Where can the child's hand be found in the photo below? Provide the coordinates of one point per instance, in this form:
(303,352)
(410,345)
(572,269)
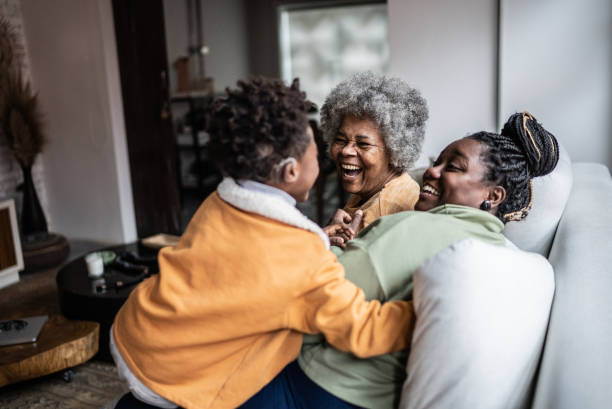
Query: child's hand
(343,228)
(337,235)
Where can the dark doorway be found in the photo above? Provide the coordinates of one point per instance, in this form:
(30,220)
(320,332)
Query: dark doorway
(141,49)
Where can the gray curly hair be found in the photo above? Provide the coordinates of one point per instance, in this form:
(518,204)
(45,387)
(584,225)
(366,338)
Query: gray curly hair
(398,110)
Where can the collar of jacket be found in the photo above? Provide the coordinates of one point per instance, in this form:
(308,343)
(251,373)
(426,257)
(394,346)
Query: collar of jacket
(270,206)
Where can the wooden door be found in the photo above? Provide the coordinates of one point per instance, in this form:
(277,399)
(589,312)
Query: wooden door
(141,48)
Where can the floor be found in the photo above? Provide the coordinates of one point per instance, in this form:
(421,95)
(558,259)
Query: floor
(94,384)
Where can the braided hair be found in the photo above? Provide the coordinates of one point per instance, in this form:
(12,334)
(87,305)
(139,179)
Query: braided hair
(257,126)
(523,150)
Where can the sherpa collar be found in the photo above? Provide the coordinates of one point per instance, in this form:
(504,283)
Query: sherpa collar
(268,206)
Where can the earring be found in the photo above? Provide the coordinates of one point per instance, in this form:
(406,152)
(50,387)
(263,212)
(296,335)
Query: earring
(486,205)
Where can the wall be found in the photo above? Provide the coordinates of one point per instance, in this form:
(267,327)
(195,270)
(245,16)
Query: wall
(447,50)
(555,60)
(224,32)
(74,67)
(557,63)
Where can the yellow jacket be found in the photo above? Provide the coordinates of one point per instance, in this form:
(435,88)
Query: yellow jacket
(226,312)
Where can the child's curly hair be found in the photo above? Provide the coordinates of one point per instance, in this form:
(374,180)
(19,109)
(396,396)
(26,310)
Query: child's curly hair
(256,126)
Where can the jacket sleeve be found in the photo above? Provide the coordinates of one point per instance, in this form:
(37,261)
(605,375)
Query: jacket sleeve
(336,307)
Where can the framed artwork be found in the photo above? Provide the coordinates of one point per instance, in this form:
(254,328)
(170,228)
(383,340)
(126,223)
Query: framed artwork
(11,257)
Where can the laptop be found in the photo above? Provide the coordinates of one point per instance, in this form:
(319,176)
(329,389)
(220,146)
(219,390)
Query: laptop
(21,331)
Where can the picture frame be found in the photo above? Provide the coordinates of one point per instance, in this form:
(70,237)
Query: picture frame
(11,256)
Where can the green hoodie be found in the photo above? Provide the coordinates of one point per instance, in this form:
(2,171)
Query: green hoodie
(382,260)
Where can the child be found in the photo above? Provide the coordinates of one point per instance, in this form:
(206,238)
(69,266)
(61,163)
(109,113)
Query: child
(250,274)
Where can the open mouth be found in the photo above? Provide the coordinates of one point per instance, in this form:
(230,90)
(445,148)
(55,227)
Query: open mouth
(429,191)
(350,171)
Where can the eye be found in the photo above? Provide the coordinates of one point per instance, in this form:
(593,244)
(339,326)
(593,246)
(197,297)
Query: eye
(338,140)
(452,167)
(364,145)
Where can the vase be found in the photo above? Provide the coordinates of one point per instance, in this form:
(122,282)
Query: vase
(32,217)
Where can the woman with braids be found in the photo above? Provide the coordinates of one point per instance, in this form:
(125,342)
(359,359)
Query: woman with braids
(477,184)
(250,274)
(375,127)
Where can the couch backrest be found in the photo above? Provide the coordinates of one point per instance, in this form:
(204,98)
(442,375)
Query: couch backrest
(550,193)
(576,368)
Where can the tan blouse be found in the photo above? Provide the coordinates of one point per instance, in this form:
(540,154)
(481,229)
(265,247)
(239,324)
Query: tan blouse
(398,195)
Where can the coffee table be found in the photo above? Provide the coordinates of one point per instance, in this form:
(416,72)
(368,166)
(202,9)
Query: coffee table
(81,300)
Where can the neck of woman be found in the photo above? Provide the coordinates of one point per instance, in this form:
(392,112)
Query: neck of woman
(365,196)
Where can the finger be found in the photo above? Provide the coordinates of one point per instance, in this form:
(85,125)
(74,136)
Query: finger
(356,222)
(336,241)
(346,218)
(338,217)
(332,229)
(345,237)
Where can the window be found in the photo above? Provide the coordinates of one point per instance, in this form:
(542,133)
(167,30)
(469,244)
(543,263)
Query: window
(323,46)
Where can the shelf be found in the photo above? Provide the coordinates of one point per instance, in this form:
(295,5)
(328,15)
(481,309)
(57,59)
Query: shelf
(187,95)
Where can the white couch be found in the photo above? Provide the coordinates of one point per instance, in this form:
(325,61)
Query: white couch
(576,366)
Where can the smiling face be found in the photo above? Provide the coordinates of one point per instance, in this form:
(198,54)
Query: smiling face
(457,177)
(361,157)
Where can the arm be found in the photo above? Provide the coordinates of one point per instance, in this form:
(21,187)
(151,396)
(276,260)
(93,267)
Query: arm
(334,306)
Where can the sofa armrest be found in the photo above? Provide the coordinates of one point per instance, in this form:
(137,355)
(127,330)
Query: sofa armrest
(576,365)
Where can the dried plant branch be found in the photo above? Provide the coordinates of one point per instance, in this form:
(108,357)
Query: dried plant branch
(9,56)
(21,120)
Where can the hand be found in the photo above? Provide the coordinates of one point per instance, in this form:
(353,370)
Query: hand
(343,227)
(340,217)
(338,236)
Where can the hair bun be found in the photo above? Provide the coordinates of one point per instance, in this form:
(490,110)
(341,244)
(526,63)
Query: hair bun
(540,146)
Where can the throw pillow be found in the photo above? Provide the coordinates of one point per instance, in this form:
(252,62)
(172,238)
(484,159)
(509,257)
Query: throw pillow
(482,313)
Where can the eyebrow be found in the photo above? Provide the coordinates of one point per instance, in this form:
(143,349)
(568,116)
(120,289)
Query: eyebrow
(461,154)
(358,137)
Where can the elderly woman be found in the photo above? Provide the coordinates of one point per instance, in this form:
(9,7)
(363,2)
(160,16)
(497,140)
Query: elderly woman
(476,185)
(375,127)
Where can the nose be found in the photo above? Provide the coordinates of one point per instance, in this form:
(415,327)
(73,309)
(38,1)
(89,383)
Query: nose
(349,149)
(433,172)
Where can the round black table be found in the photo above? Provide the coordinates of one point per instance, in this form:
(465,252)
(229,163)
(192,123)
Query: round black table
(83,298)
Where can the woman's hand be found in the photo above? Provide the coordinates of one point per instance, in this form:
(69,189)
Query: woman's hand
(343,227)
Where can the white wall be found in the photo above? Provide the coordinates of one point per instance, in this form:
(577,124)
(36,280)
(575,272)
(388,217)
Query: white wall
(448,50)
(74,68)
(555,61)
(224,32)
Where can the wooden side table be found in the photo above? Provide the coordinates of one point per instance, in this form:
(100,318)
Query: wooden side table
(62,344)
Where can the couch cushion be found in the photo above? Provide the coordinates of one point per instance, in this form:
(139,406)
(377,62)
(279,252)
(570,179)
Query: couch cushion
(482,312)
(550,193)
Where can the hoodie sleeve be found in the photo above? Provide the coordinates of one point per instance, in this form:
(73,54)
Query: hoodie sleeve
(330,304)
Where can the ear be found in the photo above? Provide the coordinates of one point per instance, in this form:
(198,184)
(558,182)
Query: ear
(497,194)
(290,172)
